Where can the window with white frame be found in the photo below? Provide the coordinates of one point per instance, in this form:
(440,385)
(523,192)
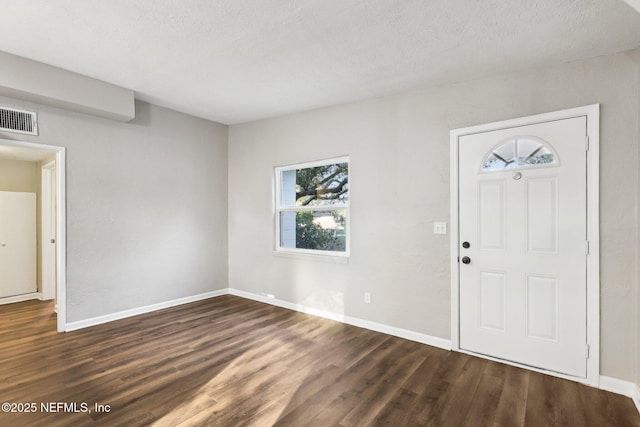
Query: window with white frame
(312,207)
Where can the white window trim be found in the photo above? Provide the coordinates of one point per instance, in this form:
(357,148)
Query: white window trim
(312,253)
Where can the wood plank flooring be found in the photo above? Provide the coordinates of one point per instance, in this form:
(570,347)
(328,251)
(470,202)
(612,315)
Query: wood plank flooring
(229,361)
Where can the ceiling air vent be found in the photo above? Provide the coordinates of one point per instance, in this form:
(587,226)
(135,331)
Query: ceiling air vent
(19,121)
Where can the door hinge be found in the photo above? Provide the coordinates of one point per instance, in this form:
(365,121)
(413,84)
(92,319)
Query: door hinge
(586,351)
(586,247)
(586,143)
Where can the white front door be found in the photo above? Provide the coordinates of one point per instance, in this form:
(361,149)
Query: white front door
(17,243)
(522,236)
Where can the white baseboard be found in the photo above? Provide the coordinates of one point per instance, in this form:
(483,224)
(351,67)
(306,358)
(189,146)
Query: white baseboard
(72,326)
(41,297)
(366,324)
(625,388)
(20,298)
(617,386)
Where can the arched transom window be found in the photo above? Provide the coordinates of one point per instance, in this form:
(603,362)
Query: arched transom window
(520,152)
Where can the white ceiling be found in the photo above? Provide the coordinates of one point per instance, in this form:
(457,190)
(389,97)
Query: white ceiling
(234,61)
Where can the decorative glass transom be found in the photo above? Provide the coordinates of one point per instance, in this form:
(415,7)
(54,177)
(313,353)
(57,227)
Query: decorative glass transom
(520,152)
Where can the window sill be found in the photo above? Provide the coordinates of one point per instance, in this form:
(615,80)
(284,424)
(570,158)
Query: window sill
(337,259)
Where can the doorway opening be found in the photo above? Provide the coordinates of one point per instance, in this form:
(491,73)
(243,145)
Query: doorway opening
(50,163)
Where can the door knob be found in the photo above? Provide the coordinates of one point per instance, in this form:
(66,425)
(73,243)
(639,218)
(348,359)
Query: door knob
(466,260)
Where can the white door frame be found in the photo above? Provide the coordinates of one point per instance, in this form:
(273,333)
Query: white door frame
(47,216)
(592,113)
(61,222)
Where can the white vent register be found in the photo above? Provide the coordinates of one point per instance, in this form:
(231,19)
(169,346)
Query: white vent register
(18,121)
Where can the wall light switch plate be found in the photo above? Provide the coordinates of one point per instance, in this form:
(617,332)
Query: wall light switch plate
(439,228)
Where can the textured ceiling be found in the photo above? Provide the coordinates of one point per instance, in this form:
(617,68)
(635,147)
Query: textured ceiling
(234,61)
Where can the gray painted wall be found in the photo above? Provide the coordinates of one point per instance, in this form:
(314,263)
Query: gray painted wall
(399,148)
(146,206)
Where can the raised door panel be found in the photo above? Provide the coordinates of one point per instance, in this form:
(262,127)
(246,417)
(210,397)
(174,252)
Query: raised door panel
(492,301)
(542,215)
(542,308)
(491,215)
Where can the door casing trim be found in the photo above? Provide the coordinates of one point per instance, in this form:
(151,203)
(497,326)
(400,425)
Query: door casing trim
(592,113)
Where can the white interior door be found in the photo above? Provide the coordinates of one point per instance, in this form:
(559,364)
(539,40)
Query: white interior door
(48,231)
(17,243)
(522,231)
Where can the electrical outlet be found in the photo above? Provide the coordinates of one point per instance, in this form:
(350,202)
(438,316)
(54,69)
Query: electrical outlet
(367,297)
(439,228)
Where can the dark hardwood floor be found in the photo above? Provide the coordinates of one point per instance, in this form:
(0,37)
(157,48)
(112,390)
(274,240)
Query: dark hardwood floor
(229,361)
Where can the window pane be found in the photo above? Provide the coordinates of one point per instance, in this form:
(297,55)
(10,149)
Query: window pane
(493,162)
(320,230)
(506,151)
(316,186)
(519,153)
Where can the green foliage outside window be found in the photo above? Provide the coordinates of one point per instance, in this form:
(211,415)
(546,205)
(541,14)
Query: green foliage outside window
(310,235)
